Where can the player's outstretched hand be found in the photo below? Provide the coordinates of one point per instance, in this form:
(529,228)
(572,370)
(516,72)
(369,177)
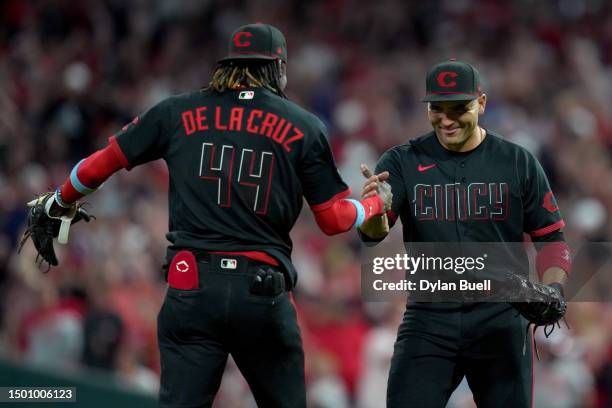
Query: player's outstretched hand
(376,184)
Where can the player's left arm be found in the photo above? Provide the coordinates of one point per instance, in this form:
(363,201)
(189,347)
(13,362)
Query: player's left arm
(345,214)
(326,191)
(543,222)
(553,260)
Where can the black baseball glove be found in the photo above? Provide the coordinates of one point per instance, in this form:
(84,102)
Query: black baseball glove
(48,220)
(540,304)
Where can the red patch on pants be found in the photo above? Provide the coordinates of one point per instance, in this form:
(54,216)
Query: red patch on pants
(183,271)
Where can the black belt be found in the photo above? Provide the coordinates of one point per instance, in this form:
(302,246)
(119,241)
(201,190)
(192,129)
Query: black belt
(206,256)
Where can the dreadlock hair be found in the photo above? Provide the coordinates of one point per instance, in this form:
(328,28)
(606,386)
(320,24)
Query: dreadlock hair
(252,73)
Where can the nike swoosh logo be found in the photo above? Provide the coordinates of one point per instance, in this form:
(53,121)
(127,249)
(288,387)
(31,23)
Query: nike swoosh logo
(425,168)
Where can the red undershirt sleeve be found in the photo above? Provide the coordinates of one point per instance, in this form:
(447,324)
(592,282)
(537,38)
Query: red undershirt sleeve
(91,172)
(345,214)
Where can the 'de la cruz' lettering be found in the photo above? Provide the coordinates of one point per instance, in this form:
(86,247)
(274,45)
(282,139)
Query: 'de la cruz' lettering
(254,121)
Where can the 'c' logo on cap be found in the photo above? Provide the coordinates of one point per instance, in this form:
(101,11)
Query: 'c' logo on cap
(238,42)
(442,79)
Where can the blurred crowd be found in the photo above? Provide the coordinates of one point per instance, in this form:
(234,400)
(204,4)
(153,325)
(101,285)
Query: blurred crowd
(73,73)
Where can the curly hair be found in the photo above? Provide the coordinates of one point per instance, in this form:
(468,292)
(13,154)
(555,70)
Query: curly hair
(237,74)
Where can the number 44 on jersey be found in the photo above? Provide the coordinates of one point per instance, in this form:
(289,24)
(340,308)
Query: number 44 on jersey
(251,170)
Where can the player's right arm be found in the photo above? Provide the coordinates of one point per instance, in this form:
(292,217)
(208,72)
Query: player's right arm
(388,176)
(376,227)
(144,139)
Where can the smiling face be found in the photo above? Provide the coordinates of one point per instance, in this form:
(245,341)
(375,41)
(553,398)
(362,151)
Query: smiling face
(456,122)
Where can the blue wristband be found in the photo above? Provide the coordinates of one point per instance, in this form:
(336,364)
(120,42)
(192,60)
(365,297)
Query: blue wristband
(78,186)
(360,212)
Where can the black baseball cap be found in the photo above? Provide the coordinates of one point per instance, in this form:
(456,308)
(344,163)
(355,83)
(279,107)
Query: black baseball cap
(452,80)
(257,42)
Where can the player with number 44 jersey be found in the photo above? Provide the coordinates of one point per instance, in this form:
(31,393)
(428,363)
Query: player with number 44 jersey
(241,158)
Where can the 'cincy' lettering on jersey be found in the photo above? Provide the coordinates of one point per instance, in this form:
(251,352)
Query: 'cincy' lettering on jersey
(474,201)
(254,121)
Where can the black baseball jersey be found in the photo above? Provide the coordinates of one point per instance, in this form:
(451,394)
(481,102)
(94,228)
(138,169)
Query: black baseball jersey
(494,193)
(239,164)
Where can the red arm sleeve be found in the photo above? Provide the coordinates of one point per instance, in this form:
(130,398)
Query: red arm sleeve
(553,254)
(343,214)
(91,173)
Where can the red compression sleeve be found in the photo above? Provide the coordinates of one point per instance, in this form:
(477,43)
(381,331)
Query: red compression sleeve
(342,215)
(553,254)
(92,172)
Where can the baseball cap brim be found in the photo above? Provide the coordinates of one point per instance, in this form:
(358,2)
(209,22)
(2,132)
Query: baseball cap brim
(239,57)
(449,97)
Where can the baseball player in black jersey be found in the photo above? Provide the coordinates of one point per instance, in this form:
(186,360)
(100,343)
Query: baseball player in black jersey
(240,159)
(464,183)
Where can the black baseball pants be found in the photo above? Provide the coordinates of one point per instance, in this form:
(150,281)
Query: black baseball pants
(437,346)
(199,328)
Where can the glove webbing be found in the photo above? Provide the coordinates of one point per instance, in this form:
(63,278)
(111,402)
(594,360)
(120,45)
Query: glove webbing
(39,259)
(548,330)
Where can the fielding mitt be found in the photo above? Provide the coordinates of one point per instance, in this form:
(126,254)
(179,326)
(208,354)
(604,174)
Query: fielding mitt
(540,304)
(48,220)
